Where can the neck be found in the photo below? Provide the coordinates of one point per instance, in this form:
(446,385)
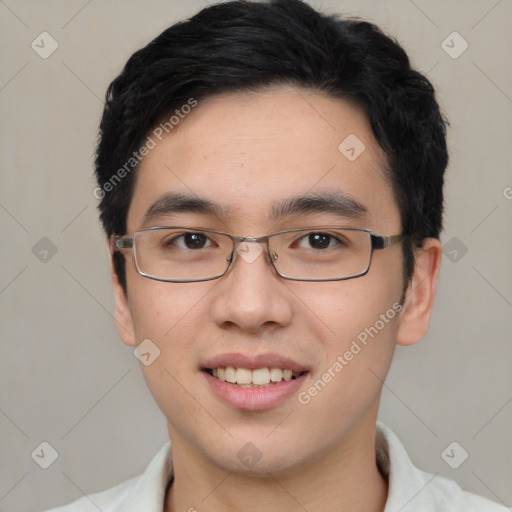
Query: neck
(346,478)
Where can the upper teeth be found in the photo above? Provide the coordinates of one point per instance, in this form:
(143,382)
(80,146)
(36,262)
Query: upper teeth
(257,377)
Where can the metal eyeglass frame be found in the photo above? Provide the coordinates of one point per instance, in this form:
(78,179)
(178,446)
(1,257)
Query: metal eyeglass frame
(377,242)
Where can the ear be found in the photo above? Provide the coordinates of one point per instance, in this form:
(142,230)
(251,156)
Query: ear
(419,298)
(122,314)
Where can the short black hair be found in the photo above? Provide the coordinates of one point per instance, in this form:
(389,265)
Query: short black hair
(241,45)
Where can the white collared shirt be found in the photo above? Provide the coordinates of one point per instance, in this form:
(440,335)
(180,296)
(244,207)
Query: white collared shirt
(410,490)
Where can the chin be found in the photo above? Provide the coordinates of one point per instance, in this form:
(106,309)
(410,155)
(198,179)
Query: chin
(262,463)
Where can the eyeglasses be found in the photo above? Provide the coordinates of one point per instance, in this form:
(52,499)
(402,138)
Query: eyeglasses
(185,254)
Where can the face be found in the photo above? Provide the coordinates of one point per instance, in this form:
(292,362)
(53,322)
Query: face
(248,153)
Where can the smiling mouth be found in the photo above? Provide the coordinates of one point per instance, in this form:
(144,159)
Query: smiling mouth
(257,378)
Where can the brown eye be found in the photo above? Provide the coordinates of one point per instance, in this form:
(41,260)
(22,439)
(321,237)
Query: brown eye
(189,241)
(195,240)
(317,241)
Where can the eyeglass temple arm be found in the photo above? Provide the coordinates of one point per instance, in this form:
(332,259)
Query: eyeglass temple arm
(381,242)
(123,242)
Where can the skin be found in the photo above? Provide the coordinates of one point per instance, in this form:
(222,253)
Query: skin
(245,151)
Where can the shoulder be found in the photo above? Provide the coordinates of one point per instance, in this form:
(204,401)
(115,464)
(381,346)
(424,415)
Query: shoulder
(445,494)
(141,493)
(412,490)
(106,501)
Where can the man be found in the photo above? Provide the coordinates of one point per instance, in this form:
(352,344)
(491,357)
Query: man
(271,188)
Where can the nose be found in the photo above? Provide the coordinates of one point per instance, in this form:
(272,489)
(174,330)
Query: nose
(251,296)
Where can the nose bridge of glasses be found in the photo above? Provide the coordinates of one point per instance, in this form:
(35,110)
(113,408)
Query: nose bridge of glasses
(249,248)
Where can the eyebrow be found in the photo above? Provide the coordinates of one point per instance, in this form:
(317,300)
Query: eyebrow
(337,203)
(179,203)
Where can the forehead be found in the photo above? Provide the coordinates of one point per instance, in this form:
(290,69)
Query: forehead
(246,152)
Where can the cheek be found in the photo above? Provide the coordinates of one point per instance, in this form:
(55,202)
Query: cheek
(358,353)
(361,349)
(342,310)
(363,316)
(167,315)
(162,311)
(357,322)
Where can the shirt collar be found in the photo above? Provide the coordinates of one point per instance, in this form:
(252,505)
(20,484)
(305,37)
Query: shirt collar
(148,493)
(405,481)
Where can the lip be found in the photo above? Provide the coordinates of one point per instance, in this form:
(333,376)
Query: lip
(254,399)
(253,362)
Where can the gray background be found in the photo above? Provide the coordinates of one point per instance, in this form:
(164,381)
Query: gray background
(65,378)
